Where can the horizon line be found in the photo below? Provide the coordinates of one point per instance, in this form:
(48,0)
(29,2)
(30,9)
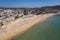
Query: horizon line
(29,7)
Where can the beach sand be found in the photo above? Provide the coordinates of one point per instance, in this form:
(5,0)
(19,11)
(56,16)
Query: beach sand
(20,25)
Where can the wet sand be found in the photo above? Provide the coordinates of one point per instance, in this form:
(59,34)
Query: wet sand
(20,25)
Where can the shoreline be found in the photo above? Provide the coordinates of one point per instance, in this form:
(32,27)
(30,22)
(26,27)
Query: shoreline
(20,25)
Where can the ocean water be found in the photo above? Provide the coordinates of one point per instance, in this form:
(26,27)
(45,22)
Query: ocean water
(46,30)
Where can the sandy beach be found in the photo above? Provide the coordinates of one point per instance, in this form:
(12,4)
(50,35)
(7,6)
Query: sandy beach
(20,25)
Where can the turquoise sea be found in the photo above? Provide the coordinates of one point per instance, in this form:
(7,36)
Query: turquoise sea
(46,30)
